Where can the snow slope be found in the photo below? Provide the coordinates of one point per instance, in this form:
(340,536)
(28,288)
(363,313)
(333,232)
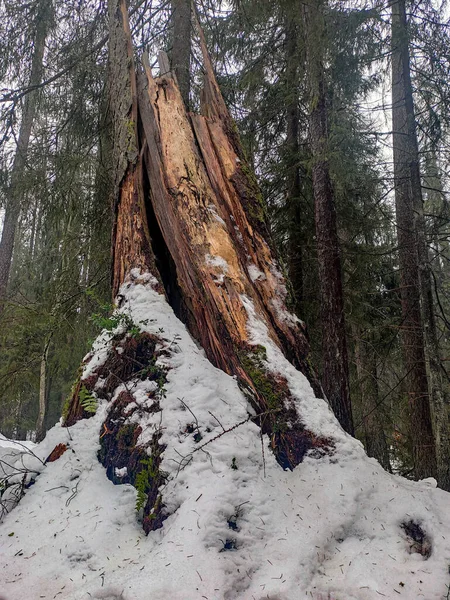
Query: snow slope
(240,527)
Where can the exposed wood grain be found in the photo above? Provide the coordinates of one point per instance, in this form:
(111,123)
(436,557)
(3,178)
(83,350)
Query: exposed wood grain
(131,246)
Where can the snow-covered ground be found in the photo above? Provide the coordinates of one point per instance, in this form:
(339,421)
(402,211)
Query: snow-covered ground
(239,527)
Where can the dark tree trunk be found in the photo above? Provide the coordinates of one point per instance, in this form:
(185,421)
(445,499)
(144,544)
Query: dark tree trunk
(13,204)
(43,393)
(366,366)
(335,373)
(414,266)
(181,48)
(131,245)
(295,258)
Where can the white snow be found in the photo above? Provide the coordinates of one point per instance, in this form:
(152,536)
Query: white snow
(217,261)
(6,443)
(255,273)
(121,472)
(213,210)
(99,352)
(279,301)
(240,527)
(219,265)
(18,464)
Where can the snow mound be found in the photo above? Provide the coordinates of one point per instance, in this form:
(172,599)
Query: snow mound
(336,528)
(18,466)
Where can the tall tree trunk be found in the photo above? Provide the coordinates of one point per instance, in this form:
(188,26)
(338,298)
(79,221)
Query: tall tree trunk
(335,372)
(43,396)
(366,368)
(414,273)
(181,48)
(13,205)
(295,258)
(437,206)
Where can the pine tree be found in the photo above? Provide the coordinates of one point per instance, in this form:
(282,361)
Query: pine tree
(42,24)
(408,200)
(335,374)
(181,46)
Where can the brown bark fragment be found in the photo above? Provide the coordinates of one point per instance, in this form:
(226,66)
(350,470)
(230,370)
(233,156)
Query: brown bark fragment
(76,412)
(56,453)
(132,246)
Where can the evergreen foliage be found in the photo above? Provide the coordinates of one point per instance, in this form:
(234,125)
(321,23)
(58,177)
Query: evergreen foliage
(87,400)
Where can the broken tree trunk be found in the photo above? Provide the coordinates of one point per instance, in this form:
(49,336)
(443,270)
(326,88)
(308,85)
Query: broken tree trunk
(189,212)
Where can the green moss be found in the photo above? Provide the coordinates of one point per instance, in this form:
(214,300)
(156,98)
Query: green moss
(156,509)
(68,400)
(253,363)
(125,435)
(279,426)
(149,477)
(256,206)
(66,407)
(143,482)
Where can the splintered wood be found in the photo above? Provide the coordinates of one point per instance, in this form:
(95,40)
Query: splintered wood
(189,211)
(199,190)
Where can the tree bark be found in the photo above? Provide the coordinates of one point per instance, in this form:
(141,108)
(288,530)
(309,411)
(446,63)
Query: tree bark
(193,162)
(40,423)
(335,372)
(181,48)
(366,368)
(131,245)
(417,309)
(13,204)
